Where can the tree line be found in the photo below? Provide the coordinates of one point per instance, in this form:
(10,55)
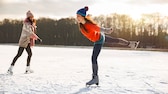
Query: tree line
(151,30)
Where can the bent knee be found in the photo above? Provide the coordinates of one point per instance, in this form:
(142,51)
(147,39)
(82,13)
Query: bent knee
(30,54)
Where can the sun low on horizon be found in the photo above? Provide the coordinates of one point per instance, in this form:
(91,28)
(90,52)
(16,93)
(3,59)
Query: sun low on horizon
(134,11)
(16,9)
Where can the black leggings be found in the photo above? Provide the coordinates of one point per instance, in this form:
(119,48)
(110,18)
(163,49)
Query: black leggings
(95,54)
(20,51)
(96,51)
(112,40)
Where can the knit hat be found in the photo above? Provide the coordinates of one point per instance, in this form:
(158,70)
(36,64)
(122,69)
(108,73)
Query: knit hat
(82,11)
(29,14)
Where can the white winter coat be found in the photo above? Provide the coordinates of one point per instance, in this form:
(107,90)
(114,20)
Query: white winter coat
(27,32)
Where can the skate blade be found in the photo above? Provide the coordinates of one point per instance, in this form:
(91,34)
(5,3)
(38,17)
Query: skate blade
(9,73)
(92,85)
(137,44)
(28,72)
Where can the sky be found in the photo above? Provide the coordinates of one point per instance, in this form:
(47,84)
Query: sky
(16,9)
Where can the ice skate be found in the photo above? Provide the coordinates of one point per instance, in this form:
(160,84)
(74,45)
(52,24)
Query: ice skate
(28,70)
(137,44)
(95,80)
(134,44)
(10,70)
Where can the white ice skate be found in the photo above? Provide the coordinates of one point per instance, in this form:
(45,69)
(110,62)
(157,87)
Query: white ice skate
(28,70)
(10,70)
(134,44)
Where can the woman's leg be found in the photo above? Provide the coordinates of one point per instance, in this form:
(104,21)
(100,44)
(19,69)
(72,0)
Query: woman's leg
(95,54)
(20,51)
(112,40)
(29,52)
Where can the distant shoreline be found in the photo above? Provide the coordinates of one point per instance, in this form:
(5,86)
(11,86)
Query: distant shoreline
(90,47)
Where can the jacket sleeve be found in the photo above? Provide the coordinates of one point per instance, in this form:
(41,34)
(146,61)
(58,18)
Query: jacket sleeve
(106,30)
(34,36)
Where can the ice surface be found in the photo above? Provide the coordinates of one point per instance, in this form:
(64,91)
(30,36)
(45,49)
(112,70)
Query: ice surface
(65,70)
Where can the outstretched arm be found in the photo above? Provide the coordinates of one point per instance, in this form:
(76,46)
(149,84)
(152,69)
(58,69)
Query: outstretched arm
(34,36)
(106,30)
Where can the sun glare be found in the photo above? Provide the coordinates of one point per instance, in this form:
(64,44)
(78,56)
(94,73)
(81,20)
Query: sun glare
(135,16)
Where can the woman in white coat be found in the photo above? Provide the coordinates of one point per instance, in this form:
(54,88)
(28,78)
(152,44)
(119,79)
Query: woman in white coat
(26,41)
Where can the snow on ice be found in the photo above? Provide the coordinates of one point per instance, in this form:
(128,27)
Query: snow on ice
(65,70)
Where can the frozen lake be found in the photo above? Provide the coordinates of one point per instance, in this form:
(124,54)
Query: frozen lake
(65,70)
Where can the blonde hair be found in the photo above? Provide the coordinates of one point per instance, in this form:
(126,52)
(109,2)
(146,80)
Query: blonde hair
(34,21)
(89,19)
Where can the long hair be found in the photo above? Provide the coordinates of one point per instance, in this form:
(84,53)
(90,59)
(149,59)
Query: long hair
(34,22)
(34,25)
(88,20)
(29,21)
